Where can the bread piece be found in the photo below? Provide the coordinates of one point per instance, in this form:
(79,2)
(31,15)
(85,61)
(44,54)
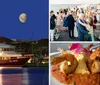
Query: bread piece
(82,67)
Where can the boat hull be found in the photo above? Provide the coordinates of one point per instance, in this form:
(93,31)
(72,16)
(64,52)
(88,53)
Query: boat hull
(13,62)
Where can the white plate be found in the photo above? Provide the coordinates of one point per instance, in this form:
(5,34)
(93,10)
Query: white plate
(53,81)
(55,53)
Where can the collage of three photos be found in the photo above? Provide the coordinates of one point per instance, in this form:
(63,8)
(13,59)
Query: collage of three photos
(64,52)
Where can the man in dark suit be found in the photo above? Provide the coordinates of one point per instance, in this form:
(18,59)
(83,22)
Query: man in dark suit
(82,31)
(71,25)
(52,25)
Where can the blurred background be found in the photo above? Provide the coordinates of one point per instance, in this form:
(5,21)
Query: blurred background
(54,46)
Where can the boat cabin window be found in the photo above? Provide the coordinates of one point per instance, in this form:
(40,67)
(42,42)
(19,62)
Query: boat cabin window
(8,49)
(3,58)
(1,49)
(5,49)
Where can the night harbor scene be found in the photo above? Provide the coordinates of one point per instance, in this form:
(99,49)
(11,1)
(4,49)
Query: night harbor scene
(24,43)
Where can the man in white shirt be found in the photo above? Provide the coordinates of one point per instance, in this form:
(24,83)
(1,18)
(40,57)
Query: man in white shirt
(98,17)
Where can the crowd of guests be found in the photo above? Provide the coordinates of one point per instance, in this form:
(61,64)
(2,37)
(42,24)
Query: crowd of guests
(81,20)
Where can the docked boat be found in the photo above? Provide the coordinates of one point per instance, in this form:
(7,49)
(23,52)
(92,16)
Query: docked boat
(9,57)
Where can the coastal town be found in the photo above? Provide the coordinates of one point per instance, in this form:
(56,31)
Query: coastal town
(37,49)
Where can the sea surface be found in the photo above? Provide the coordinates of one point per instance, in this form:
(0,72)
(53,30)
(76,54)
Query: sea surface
(24,76)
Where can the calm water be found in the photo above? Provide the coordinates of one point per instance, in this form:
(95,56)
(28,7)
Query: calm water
(24,76)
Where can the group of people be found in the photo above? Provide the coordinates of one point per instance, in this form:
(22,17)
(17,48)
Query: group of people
(81,20)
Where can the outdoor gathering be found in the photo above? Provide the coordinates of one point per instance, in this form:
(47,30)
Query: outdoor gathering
(75,22)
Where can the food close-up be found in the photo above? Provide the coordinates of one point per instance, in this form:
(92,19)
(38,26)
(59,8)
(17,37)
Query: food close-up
(78,64)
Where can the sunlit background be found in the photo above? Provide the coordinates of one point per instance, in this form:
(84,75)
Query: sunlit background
(74,1)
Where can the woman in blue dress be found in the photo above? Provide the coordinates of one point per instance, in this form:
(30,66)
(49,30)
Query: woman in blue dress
(65,21)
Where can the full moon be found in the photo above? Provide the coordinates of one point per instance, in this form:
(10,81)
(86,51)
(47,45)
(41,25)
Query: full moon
(23,17)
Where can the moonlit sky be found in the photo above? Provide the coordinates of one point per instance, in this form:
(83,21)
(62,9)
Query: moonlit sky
(74,1)
(36,25)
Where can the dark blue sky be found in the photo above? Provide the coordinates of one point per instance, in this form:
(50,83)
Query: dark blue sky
(36,26)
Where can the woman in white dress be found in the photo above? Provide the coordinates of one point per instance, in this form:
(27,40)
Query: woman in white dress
(89,27)
(75,28)
(58,22)
(58,26)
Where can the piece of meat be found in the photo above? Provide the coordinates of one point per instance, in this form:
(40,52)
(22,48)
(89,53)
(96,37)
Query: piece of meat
(94,61)
(95,68)
(64,60)
(60,58)
(95,54)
